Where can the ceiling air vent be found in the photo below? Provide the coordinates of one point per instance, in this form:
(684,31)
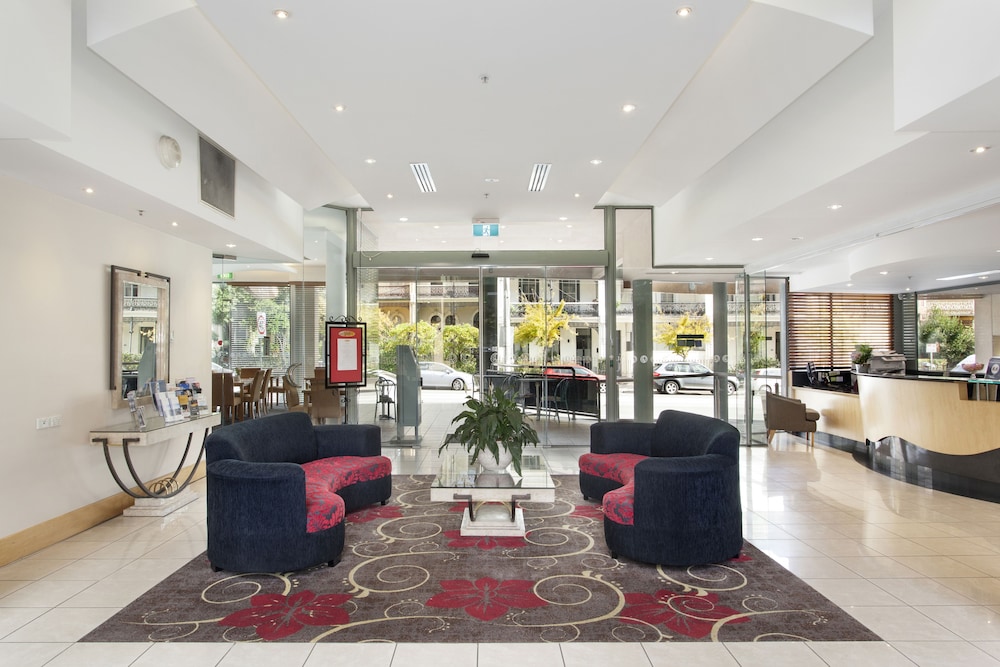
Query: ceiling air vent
(422,173)
(539,175)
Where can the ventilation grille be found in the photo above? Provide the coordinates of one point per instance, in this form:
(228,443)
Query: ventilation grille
(539,175)
(422,173)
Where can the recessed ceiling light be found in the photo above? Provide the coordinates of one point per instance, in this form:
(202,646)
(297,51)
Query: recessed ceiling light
(628,108)
(850,284)
(282,13)
(88,191)
(569,226)
(175,224)
(596,161)
(370,160)
(492,180)
(709,259)
(443,241)
(835,207)
(563,218)
(979,149)
(577,195)
(437,226)
(389,196)
(404,219)
(684,11)
(982,277)
(230,245)
(883,273)
(339,107)
(757,238)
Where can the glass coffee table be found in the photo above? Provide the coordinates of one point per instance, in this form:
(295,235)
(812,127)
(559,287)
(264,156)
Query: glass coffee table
(492,497)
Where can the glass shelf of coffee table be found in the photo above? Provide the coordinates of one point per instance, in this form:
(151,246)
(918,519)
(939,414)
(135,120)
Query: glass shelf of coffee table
(492,497)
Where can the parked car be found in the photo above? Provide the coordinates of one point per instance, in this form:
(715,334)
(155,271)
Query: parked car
(766,376)
(673,376)
(572,370)
(575,371)
(442,376)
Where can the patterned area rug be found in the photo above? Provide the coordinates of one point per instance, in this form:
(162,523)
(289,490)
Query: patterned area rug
(407,575)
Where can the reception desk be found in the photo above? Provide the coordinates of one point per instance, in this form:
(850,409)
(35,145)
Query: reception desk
(927,431)
(929,412)
(839,411)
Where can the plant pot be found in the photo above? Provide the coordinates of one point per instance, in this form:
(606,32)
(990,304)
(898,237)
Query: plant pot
(490,464)
(862,368)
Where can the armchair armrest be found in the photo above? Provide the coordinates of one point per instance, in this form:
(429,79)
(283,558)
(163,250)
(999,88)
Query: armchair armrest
(621,438)
(270,496)
(348,440)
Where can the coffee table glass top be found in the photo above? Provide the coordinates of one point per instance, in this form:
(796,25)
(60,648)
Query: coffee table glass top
(459,472)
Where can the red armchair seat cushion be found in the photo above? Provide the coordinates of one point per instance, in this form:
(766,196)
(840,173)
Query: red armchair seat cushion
(619,504)
(325,477)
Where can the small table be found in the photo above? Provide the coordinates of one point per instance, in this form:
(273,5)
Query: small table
(169,494)
(465,480)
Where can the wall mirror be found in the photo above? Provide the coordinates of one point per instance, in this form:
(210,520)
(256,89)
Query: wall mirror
(140,331)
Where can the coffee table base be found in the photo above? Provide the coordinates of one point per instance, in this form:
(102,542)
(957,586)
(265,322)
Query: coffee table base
(493,520)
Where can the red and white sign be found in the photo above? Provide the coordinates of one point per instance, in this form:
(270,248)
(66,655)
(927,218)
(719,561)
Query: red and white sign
(262,324)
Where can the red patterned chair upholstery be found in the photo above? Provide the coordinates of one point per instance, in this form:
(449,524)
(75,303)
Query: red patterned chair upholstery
(278,489)
(670,490)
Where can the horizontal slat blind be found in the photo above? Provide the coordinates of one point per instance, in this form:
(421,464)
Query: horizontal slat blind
(824,328)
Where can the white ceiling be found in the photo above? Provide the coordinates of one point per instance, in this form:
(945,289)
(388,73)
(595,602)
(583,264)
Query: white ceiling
(752,117)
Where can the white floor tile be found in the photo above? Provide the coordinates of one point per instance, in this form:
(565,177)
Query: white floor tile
(901,624)
(689,654)
(98,655)
(860,654)
(184,655)
(30,655)
(775,654)
(434,655)
(605,655)
(363,655)
(945,654)
(521,655)
(266,655)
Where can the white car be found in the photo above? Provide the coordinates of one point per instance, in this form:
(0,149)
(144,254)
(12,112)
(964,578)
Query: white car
(442,376)
(766,376)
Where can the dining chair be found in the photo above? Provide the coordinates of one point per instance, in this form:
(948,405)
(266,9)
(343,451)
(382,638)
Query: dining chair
(263,394)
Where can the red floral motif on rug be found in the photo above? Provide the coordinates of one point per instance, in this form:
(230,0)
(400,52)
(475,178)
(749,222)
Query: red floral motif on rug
(279,616)
(486,598)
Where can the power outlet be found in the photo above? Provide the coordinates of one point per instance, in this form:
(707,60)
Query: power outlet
(48,422)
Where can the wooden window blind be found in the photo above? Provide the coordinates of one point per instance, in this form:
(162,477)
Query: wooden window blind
(824,328)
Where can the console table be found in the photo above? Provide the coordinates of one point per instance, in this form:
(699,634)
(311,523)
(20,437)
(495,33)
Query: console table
(166,495)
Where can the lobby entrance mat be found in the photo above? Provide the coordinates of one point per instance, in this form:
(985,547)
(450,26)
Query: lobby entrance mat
(407,575)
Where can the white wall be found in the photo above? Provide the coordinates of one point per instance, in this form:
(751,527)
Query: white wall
(54,266)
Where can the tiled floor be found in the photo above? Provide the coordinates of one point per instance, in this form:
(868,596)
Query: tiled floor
(919,567)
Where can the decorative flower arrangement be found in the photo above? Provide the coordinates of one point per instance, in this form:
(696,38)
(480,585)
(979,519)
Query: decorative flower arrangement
(862,354)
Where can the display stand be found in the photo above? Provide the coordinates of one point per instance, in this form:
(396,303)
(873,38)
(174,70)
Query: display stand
(407,396)
(167,495)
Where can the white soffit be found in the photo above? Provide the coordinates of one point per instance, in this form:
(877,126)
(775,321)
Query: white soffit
(204,81)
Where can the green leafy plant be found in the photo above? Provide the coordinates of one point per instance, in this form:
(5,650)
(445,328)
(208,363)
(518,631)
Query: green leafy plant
(493,423)
(862,353)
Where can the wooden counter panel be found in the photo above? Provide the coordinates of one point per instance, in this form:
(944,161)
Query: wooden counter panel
(839,412)
(929,414)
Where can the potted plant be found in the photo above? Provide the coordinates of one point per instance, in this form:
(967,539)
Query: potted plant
(861,356)
(491,429)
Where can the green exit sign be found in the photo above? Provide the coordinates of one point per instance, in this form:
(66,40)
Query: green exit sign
(225,276)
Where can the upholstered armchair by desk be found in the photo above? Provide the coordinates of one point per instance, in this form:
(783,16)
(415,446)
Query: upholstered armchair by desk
(782,413)
(670,491)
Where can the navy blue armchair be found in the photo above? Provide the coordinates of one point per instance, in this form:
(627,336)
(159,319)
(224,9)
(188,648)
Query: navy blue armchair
(670,490)
(278,488)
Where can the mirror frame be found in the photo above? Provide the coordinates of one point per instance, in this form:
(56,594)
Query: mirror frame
(119,277)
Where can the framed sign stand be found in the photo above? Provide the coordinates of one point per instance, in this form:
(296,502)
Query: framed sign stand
(346,355)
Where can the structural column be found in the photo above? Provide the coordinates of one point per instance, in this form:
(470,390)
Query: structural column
(642,349)
(720,347)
